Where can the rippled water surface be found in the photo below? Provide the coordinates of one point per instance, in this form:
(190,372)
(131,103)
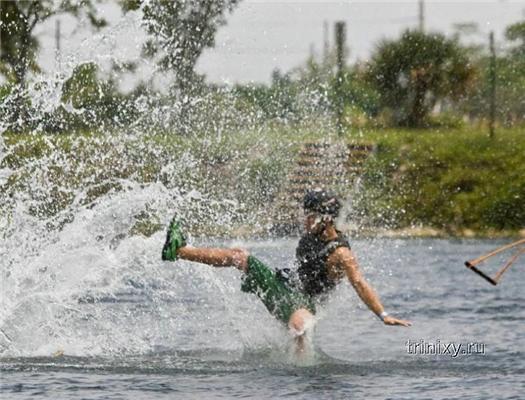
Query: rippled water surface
(115,322)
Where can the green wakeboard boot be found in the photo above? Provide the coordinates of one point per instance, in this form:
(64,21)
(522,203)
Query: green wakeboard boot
(174,241)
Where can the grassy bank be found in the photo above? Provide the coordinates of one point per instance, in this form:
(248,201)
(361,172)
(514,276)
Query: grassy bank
(455,182)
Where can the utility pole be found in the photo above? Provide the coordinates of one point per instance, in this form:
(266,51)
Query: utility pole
(492,77)
(326,45)
(312,51)
(57,43)
(340,34)
(421,15)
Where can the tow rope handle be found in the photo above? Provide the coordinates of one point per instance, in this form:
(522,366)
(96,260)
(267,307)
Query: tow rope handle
(472,263)
(479,272)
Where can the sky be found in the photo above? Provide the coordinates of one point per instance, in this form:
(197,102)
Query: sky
(263,35)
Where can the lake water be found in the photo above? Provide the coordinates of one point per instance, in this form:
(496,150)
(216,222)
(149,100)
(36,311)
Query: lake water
(115,322)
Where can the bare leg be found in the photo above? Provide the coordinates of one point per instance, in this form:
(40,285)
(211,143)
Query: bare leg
(299,321)
(217,257)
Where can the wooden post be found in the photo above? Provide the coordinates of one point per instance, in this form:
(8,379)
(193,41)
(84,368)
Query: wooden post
(492,77)
(421,15)
(340,35)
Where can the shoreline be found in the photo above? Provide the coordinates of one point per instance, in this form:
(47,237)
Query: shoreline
(427,232)
(244,232)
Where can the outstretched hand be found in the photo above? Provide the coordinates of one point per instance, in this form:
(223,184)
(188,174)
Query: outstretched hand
(394,321)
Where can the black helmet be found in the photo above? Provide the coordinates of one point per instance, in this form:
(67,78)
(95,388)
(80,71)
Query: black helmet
(322,202)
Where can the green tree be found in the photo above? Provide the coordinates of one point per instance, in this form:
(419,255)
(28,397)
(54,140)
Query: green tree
(94,102)
(513,76)
(516,33)
(415,72)
(277,101)
(316,81)
(19,46)
(510,80)
(357,94)
(350,91)
(179,31)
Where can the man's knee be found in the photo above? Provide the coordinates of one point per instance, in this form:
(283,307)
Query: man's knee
(240,259)
(300,321)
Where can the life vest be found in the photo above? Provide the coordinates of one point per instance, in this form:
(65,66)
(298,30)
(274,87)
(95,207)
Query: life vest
(312,254)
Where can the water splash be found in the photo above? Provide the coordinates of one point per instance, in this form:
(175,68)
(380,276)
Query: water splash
(82,218)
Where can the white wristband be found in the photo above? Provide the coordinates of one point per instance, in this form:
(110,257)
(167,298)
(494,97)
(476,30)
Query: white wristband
(383,315)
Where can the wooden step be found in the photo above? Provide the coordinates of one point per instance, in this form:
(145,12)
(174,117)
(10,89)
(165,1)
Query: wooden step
(318,164)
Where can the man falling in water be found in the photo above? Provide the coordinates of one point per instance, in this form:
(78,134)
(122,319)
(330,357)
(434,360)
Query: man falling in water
(324,257)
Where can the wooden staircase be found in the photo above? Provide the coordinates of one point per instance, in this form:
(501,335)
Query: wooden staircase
(328,165)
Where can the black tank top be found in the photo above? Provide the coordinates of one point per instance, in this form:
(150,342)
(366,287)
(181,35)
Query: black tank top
(312,254)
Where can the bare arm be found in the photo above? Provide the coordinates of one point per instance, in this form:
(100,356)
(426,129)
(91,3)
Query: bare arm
(344,258)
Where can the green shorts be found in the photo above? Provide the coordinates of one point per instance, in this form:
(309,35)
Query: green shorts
(280,300)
